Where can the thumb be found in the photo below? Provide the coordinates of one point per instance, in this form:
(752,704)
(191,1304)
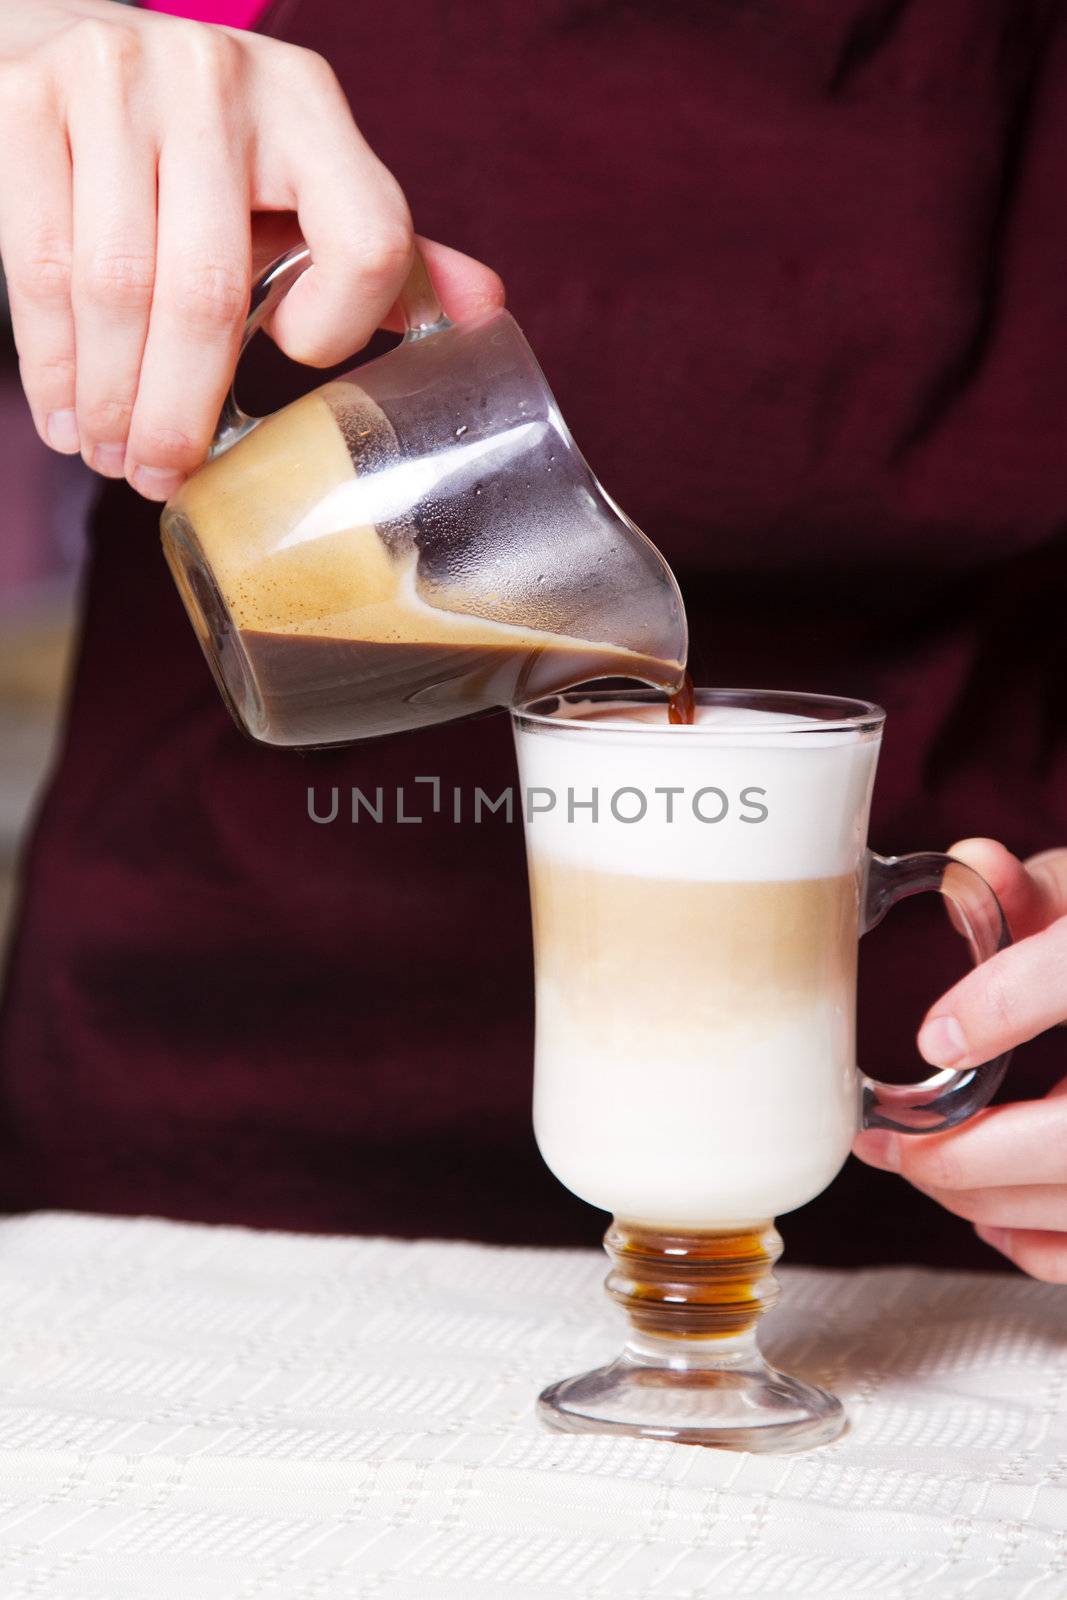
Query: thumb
(1008,999)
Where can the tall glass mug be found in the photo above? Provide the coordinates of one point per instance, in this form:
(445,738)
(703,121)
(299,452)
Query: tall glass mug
(698,894)
(418,540)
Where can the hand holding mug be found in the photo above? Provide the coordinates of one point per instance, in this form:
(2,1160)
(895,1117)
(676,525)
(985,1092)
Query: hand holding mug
(1005,1171)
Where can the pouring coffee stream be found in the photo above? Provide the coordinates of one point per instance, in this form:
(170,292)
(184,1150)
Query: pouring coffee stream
(416,541)
(682,705)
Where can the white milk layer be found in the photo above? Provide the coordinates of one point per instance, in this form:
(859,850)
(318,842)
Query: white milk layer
(696,1129)
(722,1111)
(740,795)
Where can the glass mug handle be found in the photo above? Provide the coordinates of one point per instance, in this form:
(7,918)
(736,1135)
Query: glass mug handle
(418,302)
(949,1096)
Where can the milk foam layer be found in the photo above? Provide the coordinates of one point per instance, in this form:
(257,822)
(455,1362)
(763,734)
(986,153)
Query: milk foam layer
(695,1054)
(812,782)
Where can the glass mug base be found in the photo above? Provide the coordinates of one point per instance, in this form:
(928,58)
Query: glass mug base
(691,1371)
(738,1403)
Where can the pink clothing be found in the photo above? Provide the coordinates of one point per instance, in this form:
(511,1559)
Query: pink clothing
(234,13)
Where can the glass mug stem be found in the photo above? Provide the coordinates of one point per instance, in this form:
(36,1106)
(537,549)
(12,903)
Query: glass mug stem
(688,1286)
(691,1370)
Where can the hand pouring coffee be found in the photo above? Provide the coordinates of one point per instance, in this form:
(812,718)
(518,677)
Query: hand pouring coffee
(416,541)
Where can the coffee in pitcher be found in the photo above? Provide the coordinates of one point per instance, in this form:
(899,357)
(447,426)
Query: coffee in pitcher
(417,541)
(324,630)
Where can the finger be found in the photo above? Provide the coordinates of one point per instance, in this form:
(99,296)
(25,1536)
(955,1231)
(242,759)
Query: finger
(465,287)
(203,274)
(1004,1145)
(1040,1254)
(1010,998)
(1027,1205)
(1030,898)
(1049,871)
(352,215)
(35,242)
(114,210)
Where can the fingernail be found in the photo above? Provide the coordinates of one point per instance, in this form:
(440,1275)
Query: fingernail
(61,431)
(110,460)
(941,1041)
(999,1238)
(155,483)
(879,1148)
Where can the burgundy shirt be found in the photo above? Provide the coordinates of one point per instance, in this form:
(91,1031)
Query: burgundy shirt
(797,273)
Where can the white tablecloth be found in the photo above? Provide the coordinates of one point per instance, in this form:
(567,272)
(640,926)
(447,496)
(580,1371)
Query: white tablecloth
(212,1414)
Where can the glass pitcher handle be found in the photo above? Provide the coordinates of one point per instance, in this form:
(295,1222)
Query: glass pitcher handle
(949,1096)
(418,302)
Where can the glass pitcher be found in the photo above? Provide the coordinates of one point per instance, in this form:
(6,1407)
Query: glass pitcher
(418,540)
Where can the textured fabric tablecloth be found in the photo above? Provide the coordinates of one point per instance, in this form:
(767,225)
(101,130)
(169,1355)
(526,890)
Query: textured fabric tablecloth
(212,1414)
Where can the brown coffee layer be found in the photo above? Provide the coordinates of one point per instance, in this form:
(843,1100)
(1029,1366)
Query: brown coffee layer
(314,691)
(699,953)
